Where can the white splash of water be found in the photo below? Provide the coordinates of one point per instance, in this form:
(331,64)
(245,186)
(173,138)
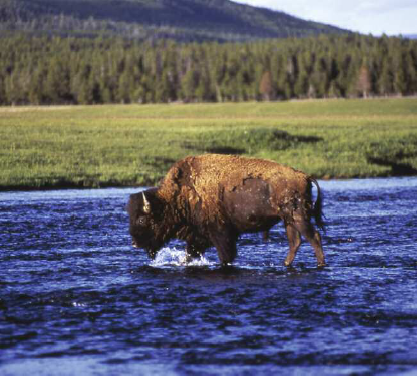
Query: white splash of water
(174,257)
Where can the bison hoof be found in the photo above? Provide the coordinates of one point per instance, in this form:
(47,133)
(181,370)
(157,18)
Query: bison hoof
(286,263)
(321,265)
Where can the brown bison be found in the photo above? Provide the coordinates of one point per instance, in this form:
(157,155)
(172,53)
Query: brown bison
(209,200)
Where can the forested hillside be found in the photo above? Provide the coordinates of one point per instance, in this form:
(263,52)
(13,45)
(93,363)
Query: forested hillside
(183,20)
(106,70)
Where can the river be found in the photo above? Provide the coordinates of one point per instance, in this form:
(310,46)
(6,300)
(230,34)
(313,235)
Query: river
(76,298)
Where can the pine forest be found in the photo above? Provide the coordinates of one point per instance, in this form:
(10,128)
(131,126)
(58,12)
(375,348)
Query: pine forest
(41,70)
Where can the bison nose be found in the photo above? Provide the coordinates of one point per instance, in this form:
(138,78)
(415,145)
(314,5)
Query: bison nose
(134,245)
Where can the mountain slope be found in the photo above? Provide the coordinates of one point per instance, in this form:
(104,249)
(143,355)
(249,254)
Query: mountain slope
(179,19)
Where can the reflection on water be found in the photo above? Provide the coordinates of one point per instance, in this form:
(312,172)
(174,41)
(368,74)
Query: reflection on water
(75,298)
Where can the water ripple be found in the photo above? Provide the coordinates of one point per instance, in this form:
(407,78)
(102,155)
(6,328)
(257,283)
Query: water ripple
(76,298)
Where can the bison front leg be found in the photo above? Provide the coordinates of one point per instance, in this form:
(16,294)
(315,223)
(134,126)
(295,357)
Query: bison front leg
(194,251)
(225,243)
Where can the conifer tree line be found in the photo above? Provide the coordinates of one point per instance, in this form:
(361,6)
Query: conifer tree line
(56,70)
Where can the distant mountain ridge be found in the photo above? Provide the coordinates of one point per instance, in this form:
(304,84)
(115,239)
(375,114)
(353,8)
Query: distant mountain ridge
(221,20)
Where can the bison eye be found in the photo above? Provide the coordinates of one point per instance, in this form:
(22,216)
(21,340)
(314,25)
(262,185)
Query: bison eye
(141,221)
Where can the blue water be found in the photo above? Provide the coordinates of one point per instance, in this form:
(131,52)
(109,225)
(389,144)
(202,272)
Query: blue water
(75,298)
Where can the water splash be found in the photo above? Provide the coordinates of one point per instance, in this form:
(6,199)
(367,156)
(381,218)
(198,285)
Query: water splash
(69,280)
(173,257)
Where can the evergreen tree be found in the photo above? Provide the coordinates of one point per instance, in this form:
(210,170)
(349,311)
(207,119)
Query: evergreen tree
(37,95)
(57,82)
(3,99)
(301,86)
(385,79)
(104,70)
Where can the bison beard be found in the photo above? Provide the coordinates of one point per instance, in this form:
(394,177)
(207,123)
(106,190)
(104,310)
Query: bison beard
(210,200)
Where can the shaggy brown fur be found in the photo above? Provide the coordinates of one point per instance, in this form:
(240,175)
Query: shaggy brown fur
(202,196)
(205,178)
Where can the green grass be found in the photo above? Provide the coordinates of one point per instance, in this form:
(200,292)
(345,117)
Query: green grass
(117,145)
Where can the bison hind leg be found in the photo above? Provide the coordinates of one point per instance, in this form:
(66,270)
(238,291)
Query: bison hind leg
(307,230)
(294,240)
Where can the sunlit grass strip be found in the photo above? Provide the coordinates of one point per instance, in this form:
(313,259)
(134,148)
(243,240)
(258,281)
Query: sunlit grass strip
(115,145)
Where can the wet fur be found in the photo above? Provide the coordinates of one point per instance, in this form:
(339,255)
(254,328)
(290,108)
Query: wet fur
(210,200)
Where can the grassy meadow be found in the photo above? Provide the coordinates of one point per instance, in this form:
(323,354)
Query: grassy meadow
(125,145)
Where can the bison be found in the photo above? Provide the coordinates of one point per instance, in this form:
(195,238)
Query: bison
(209,200)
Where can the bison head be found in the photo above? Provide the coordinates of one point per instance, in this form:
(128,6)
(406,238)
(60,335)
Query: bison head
(144,211)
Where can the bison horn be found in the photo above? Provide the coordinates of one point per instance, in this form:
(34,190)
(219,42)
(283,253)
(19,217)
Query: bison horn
(146,204)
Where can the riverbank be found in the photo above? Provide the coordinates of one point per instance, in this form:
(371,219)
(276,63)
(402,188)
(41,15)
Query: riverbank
(131,145)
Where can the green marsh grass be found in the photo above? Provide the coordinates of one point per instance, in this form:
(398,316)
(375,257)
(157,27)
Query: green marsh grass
(125,145)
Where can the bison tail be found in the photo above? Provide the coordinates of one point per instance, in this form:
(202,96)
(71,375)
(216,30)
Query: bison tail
(318,207)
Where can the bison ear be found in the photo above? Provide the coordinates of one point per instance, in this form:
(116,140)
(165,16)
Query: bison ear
(146,204)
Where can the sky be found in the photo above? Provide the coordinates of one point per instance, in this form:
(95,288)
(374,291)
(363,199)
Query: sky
(376,17)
